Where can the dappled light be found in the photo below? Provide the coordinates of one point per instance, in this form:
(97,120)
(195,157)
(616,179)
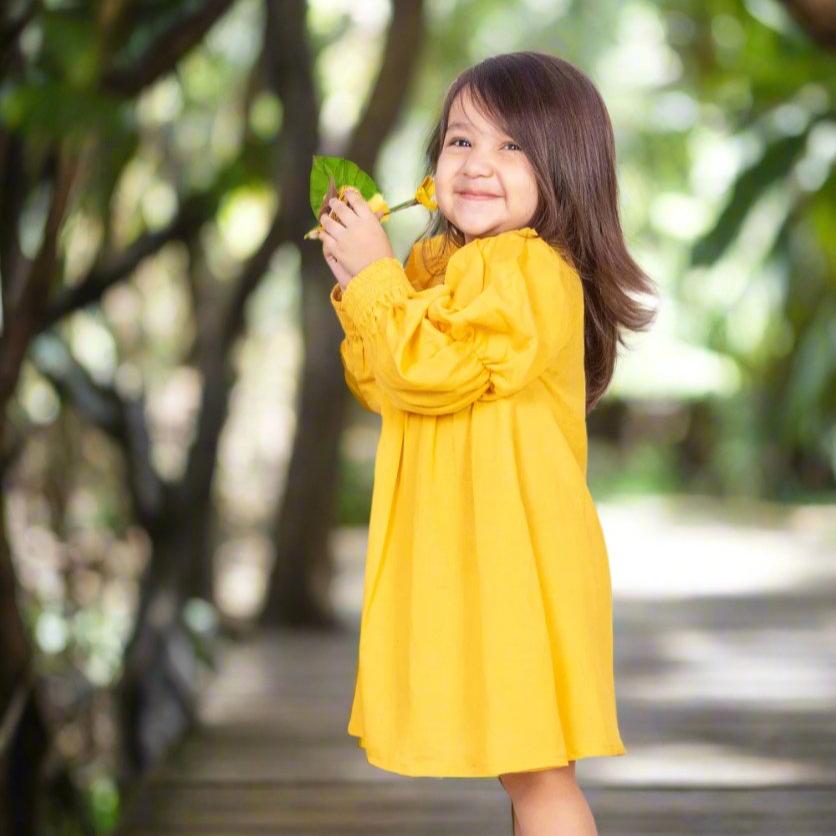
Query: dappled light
(189,473)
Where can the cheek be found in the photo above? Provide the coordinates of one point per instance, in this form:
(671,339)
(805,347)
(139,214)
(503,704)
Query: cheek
(525,188)
(443,178)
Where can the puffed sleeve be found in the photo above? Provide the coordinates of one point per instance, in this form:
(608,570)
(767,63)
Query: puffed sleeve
(357,368)
(495,324)
(358,373)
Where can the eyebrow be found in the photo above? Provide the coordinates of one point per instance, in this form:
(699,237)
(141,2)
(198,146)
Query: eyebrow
(457,125)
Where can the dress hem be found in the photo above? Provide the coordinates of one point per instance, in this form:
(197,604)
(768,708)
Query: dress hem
(431,769)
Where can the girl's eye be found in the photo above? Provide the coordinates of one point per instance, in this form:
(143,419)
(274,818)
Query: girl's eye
(462,139)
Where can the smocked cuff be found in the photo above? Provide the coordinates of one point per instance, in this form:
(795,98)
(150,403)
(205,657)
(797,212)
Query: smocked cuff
(340,311)
(377,284)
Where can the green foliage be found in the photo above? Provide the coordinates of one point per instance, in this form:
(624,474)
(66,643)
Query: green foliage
(70,48)
(51,108)
(103,800)
(768,84)
(354,492)
(344,173)
(750,185)
(211,130)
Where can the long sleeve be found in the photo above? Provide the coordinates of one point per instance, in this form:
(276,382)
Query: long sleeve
(495,324)
(358,373)
(357,368)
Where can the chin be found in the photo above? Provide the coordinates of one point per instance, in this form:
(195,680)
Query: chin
(477,228)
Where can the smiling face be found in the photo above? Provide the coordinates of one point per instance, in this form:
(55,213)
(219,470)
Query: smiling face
(484,183)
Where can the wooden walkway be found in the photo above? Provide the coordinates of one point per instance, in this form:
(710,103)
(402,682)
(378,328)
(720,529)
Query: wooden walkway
(726,681)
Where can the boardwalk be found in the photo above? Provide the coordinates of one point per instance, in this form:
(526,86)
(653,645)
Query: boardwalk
(726,682)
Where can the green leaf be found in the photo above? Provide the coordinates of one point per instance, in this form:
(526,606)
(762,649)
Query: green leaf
(809,396)
(43,106)
(344,173)
(750,185)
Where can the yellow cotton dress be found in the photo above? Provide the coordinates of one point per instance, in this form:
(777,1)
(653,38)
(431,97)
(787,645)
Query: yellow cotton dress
(486,629)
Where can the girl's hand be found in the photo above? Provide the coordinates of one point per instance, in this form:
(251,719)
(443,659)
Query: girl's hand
(356,239)
(340,273)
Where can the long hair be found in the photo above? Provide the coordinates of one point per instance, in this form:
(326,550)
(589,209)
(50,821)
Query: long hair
(558,117)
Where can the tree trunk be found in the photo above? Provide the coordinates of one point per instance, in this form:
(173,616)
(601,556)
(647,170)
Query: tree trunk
(298,589)
(22,754)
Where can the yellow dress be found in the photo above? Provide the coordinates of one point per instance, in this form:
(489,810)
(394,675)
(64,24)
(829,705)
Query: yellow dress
(486,628)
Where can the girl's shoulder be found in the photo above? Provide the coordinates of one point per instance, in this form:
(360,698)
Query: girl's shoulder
(430,263)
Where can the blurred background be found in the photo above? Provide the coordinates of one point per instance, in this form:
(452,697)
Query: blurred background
(186,478)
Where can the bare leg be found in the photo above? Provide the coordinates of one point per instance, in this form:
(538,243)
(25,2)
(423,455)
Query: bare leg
(549,802)
(515,822)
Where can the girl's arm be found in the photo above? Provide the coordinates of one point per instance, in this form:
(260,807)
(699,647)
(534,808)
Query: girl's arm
(496,323)
(357,367)
(359,376)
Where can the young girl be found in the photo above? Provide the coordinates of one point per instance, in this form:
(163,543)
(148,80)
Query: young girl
(486,628)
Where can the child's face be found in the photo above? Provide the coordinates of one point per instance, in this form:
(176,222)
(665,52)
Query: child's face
(477,157)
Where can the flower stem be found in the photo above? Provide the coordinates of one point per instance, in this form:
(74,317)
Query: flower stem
(404,205)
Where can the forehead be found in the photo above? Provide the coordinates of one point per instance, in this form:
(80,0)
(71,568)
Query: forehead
(464,114)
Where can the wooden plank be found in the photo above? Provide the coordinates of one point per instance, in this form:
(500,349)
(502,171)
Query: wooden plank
(326,808)
(726,705)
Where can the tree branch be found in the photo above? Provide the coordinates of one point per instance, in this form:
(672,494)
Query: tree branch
(289,73)
(817,18)
(10,33)
(102,276)
(386,101)
(122,419)
(12,195)
(162,56)
(26,303)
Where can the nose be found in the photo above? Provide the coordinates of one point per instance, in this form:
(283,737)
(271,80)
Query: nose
(477,164)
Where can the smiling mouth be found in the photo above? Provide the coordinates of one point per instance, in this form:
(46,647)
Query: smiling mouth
(476,196)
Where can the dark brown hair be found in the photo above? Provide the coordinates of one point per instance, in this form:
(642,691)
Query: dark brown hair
(557,115)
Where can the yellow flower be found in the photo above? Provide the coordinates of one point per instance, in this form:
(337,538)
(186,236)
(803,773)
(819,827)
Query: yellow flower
(426,193)
(376,203)
(425,196)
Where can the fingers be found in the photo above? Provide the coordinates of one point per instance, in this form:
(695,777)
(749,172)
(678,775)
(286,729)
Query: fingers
(343,212)
(357,202)
(346,213)
(328,240)
(337,232)
(330,227)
